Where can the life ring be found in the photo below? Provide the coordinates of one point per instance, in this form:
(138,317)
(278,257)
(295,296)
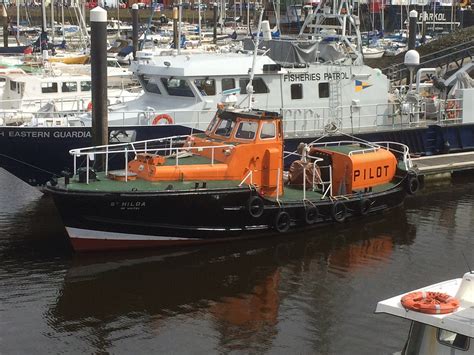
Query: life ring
(364,206)
(430,302)
(339,211)
(163,116)
(452,109)
(89,106)
(413,184)
(311,215)
(282,221)
(255,206)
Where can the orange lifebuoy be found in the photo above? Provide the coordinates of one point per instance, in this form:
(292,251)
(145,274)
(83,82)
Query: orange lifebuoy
(163,116)
(89,106)
(430,302)
(452,109)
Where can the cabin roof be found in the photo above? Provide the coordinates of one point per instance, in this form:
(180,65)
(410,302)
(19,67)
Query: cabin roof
(203,64)
(254,114)
(459,321)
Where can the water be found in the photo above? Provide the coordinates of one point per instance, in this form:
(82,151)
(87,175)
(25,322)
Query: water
(312,293)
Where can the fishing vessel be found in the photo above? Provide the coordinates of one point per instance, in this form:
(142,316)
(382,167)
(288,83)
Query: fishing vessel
(441,317)
(227,183)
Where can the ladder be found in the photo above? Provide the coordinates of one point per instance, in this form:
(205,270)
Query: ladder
(335,102)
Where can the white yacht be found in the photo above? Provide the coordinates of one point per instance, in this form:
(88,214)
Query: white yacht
(449,333)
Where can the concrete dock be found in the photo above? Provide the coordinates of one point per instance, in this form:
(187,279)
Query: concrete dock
(445,163)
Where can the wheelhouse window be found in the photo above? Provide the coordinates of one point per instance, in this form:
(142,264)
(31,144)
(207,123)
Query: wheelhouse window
(207,87)
(49,87)
(177,87)
(149,84)
(70,86)
(225,128)
(259,86)
(268,130)
(453,340)
(246,130)
(212,124)
(85,86)
(296,91)
(323,90)
(13,85)
(228,84)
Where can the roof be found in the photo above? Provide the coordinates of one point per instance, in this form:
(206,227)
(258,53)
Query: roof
(460,321)
(205,64)
(254,114)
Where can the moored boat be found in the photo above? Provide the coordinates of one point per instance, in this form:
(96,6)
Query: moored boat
(227,183)
(442,316)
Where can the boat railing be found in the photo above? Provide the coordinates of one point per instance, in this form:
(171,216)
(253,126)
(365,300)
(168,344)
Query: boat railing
(170,147)
(400,150)
(324,186)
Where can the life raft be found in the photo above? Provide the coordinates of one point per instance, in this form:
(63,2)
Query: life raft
(162,117)
(430,302)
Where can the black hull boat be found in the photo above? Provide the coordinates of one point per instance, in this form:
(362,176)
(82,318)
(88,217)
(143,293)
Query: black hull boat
(224,185)
(105,221)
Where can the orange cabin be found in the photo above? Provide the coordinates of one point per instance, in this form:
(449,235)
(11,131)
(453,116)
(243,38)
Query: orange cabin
(355,167)
(235,144)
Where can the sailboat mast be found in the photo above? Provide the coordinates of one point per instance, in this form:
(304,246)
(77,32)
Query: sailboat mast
(52,21)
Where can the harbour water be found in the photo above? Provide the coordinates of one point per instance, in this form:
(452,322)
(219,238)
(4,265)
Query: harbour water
(305,293)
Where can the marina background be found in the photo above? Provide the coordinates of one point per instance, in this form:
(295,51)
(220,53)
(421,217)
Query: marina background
(311,293)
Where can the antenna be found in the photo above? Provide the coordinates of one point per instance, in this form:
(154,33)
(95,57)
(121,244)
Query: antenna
(249,87)
(467,263)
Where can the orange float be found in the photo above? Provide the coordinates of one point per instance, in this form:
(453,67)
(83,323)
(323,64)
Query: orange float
(430,302)
(161,117)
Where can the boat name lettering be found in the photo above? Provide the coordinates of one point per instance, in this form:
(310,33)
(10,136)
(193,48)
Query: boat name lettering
(315,76)
(371,173)
(46,134)
(425,16)
(28,134)
(73,134)
(128,204)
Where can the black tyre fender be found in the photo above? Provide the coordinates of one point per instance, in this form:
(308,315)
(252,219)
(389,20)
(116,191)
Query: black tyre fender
(339,211)
(311,215)
(255,206)
(282,221)
(364,206)
(412,184)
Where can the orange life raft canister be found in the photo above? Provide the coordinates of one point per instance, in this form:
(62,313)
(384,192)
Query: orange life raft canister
(430,302)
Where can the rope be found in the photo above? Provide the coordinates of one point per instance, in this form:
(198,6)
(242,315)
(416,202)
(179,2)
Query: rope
(28,164)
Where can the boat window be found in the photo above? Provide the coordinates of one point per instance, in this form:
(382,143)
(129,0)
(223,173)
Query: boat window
(246,130)
(49,87)
(12,85)
(207,87)
(296,91)
(212,124)
(177,87)
(85,86)
(415,338)
(70,86)
(225,128)
(268,130)
(259,86)
(228,84)
(453,340)
(149,85)
(323,90)
(113,64)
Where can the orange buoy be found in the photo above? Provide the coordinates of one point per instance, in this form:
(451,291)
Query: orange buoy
(430,302)
(163,116)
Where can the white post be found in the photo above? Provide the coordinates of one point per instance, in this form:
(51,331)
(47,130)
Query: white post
(126,164)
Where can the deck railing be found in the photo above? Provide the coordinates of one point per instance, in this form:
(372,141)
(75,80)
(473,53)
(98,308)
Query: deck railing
(170,147)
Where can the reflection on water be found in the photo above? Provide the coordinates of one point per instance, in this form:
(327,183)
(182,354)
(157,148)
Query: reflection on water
(311,292)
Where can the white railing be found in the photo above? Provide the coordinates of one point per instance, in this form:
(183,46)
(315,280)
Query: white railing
(170,147)
(399,149)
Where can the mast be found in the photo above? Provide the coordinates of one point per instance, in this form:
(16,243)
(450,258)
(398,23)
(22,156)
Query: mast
(52,21)
(249,87)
